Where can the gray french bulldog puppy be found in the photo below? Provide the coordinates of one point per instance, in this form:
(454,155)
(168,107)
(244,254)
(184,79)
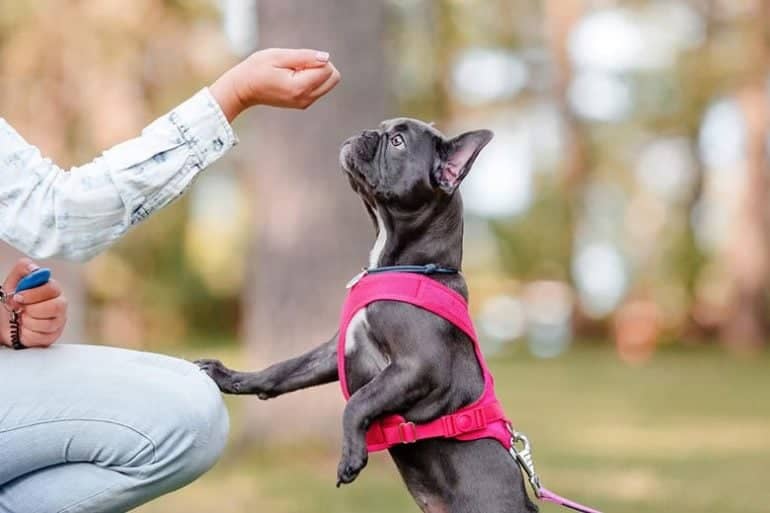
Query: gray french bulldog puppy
(405,360)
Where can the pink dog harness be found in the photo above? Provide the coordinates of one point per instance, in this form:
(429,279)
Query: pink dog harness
(483,418)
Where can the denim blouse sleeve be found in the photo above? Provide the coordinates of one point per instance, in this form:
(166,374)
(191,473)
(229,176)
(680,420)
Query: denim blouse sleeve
(46,211)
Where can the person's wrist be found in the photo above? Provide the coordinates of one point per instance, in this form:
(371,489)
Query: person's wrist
(225,92)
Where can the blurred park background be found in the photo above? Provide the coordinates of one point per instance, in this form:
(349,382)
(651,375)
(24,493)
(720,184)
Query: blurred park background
(617,232)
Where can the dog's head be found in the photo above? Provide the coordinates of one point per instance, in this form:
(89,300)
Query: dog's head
(406,165)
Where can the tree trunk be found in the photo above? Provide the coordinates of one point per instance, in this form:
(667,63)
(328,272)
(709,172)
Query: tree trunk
(312,233)
(700,87)
(560,17)
(748,253)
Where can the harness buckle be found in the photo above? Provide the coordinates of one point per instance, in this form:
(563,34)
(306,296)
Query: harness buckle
(408,432)
(466,422)
(524,458)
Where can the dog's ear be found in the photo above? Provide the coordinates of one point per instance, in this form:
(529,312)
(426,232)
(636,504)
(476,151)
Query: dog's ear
(456,156)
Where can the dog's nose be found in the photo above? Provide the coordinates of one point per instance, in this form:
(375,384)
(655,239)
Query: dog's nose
(370,139)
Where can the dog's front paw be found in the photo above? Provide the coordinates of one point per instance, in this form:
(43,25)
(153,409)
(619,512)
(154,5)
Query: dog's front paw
(352,463)
(222,376)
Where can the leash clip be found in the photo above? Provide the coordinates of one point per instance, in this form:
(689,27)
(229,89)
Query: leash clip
(524,458)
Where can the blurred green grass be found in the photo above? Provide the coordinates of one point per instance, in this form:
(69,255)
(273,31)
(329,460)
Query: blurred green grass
(687,432)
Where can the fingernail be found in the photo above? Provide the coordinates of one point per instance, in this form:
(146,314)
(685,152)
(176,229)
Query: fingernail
(322,56)
(18,298)
(32,267)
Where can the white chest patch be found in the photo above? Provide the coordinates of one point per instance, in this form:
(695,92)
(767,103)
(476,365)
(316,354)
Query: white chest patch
(359,345)
(357,330)
(379,244)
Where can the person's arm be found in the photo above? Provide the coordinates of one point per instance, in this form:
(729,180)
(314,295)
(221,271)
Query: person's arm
(46,211)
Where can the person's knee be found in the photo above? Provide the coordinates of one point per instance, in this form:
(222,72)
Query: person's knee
(210,423)
(197,429)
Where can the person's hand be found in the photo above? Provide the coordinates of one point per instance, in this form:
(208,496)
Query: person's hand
(278,77)
(43,309)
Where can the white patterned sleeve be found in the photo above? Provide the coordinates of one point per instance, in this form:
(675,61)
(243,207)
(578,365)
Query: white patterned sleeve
(46,211)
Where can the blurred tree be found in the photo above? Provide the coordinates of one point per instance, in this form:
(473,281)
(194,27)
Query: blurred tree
(313,234)
(417,30)
(698,76)
(560,17)
(748,252)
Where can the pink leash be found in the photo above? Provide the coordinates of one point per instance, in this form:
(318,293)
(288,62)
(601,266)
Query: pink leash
(548,496)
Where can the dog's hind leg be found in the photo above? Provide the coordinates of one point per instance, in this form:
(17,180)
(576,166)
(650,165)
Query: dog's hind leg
(316,367)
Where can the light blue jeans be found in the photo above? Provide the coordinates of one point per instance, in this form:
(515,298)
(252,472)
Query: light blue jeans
(98,429)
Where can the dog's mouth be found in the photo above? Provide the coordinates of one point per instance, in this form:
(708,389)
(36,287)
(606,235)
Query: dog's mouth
(346,156)
(356,178)
(349,161)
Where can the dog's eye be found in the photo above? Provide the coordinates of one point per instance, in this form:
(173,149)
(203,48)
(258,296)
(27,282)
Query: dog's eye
(397,140)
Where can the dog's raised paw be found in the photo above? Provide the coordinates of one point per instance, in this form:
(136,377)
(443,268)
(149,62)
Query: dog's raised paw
(220,374)
(210,366)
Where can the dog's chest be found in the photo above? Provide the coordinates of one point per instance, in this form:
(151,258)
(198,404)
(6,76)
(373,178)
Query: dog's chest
(364,358)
